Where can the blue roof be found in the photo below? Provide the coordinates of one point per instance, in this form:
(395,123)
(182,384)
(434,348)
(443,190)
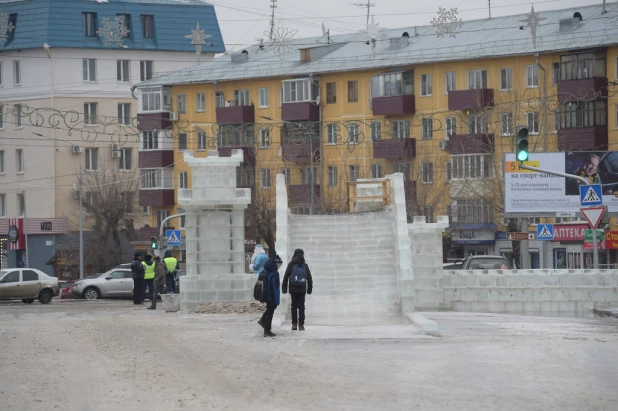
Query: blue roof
(60,23)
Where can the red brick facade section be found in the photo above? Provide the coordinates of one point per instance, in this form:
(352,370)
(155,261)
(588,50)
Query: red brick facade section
(585,89)
(301,194)
(154,121)
(470,99)
(235,115)
(586,138)
(248,154)
(301,153)
(300,112)
(156,198)
(393,149)
(471,143)
(155,159)
(393,105)
(145,233)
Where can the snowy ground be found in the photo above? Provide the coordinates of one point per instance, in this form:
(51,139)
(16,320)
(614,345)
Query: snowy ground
(82,356)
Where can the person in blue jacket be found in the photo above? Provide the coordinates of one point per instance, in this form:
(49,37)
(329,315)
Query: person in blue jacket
(258,260)
(273,296)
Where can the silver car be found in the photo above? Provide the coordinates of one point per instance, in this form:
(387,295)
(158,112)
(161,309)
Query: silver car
(117,282)
(27,284)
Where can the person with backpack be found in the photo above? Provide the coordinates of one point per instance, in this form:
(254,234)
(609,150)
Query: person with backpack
(269,293)
(300,282)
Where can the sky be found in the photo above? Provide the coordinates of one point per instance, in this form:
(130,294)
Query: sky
(244,21)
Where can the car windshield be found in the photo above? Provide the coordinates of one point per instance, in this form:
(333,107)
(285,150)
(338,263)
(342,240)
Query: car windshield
(488,264)
(2,272)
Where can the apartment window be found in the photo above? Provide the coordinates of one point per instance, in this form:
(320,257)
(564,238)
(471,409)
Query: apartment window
(147,26)
(200,102)
(532,76)
(149,141)
(151,99)
(427,173)
(123,74)
(451,126)
(353,173)
(331,134)
(182,141)
(183,180)
(506,79)
(125,21)
(584,114)
(124,113)
(477,79)
(506,124)
(472,166)
(19,115)
(392,84)
(353,133)
(156,178)
(146,69)
(21,204)
(126,155)
(265,178)
(219,99)
(1,117)
(426,129)
(296,91)
(376,130)
(162,215)
(428,213)
(403,168)
(582,66)
(89,69)
(90,24)
(426,86)
(90,113)
(352,91)
(286,174)
(182,103)
(478,124)
(2,205)
(280,96)
(473,211)
(263,97)
(241,97)
(450,82)
(16,72)
(19,161)
(556,118)
(401,129)
(555,73)
(331,93)
(306,176)
(376,171)
(146,210)
(2,163)
(265,137)
(92,159)
(201,140)
(532,122)
(332,176)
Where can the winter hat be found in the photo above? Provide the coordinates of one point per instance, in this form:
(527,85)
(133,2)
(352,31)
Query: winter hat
(258,249)
(148,257)
(157,259)
(299,251)
(278,259)
(137,254)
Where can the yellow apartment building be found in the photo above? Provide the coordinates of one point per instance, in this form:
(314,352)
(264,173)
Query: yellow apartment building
(442,110)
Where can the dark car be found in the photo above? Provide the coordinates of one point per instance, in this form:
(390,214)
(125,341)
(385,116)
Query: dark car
(486,262)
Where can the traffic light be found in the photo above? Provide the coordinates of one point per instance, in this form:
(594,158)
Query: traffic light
(153,243)
(522,144)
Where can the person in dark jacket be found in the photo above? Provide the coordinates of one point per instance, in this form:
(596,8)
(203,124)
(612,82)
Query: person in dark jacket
(137,269)
(159,281)
(300,282)
(273,297)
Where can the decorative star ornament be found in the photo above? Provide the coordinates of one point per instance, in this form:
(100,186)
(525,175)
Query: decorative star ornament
(447,22)
(373,32)
(5,27)
(198,38)
(533,20)
(113,32)
(282,39)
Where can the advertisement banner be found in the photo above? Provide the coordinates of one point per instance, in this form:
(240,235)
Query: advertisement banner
(611,240)
(529,192)
(588,240)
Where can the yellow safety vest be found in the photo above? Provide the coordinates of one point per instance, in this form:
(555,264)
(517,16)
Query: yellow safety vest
(149,271)
(170,263)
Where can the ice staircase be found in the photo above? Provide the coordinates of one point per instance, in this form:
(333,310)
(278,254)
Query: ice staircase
(352,261)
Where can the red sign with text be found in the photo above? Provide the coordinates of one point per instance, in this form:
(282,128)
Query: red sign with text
(611,240)
(573,232)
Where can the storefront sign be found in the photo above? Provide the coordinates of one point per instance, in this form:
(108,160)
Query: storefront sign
(46,225)
(611,240)
(588,240)
(15,232)
(37,226)
(473,237)
(572,232)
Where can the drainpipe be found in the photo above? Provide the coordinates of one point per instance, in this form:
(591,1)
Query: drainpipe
(321,145)
(133,92)
(544,98)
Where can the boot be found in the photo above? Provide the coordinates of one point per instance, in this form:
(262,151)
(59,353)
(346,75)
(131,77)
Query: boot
(301,326)
(261,323)
(269,334)
(152,307)
(294,327)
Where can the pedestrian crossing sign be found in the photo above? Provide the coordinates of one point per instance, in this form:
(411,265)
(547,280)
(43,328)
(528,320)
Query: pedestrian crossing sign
(173,237)
(590,195)
(545,232)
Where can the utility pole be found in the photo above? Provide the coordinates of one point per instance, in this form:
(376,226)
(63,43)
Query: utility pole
(23,196)
(81,224)
(273,6)
(367,6)
(312,175)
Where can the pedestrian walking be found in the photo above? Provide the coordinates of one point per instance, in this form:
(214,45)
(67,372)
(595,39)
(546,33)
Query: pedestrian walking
(171,269)
(258,260)
(149,275)
(273,297)
(300,282)
(137,270)
(159,281)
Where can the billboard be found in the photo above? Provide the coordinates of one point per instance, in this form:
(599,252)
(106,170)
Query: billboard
(532,193)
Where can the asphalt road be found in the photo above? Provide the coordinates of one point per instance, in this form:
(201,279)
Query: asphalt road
(114,356)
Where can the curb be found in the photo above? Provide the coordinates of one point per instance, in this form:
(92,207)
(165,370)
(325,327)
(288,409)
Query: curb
(429,327)
(606,313)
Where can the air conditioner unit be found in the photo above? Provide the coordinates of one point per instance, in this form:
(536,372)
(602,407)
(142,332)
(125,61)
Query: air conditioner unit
(76,149)
(442,145)
(115,151)
(174,116)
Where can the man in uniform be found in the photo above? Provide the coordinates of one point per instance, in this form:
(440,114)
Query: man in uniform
(171,267)
(137,269)
(159,282)
(149,275)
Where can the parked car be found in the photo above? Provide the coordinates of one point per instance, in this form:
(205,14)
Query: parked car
(486,262)
(452,265)
(65,289)
(28,284)
(117,282)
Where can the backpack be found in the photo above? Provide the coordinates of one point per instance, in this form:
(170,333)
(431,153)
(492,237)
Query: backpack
(259,289)
(299,276)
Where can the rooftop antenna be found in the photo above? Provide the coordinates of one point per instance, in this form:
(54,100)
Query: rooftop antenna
(489,2)
(367,6)
(273,6)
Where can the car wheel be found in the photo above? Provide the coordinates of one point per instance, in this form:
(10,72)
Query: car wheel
(45,297)
(91,294)
(28,300)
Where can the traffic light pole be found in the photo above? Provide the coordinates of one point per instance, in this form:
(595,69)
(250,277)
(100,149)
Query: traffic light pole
(162,227)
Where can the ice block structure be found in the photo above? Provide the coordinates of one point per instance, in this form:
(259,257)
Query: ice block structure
(215,232)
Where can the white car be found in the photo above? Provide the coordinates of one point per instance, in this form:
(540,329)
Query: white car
(117,282)
(28,284)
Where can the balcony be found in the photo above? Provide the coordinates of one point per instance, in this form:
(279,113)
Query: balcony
(471,143)
(470,99)
(584,138)
(155,159)
(154,121)
(305,111)
(156,197)
(393,105)
(301,194)
(584,89)
(248,153)
(395,149)
(301,152)
(235,115)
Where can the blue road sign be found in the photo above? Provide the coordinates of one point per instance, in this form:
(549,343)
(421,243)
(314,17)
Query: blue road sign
(545,232)
(590,195)
(173,237)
